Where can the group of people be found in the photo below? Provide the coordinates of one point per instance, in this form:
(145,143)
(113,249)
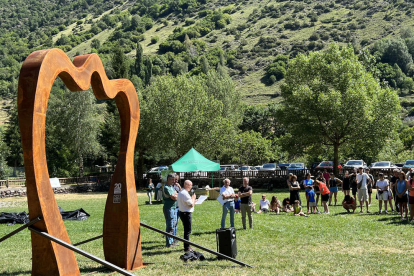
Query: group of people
(179,204)
(400,188)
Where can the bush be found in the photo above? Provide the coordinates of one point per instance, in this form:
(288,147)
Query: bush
(314,37)
(155,39)
(272,79)
(189,21)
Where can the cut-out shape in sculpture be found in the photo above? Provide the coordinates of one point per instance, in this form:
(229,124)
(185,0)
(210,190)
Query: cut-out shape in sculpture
(121,229)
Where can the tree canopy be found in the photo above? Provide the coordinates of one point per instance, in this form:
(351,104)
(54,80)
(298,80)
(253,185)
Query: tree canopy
(330,100)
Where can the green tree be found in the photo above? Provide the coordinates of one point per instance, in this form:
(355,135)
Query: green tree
(119,63)
(12,138)
(3,155)
(148,70)
(178,113)
(74,120)
(96,43)
(205,67)
(250,148)
(139,61)
(330,100)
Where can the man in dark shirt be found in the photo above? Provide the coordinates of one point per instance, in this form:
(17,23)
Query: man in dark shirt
(393,185)
(245,195)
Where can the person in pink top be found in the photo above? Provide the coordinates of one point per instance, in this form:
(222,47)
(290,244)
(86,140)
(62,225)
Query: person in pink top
(411,194)
(326,176)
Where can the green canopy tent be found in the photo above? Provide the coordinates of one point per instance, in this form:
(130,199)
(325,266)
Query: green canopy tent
(194,161)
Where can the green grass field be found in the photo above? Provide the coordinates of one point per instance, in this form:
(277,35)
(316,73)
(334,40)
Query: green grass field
(334,244)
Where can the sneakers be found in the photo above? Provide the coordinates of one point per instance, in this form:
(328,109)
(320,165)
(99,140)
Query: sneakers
(386,212)
(380,212)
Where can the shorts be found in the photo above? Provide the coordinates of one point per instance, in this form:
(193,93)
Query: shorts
(313,204)
(383,196)
(369,190)
(411,200)
(346,187)
(325,197)
(402,199)
(354,190)
(362,194)
(333,189)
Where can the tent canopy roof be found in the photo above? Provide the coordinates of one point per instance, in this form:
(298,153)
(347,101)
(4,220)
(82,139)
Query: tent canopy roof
(194,161)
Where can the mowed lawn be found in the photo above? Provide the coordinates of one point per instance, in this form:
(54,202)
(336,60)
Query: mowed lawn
(334,244)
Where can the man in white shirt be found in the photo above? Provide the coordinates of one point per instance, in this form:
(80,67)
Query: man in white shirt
(363,180)
(227,193)
(264,204)
(186,206)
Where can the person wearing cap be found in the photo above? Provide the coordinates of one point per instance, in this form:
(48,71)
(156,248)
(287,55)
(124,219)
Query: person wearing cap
(382,192)
(169,196)
(363,180)
(227,193)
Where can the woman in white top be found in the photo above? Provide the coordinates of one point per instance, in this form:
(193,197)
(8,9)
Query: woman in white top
(264,205)
(382,192)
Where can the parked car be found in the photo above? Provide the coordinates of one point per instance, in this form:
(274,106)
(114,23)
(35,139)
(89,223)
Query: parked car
(270,167)
(408,164)
(156,172)
(258,167)
(383,165)
(296,166)
(328,165)
(354,164)
(399,165)
(314,165)
(283,166)
(230,167)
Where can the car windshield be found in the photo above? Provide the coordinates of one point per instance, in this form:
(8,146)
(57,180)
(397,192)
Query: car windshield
(222,168)
(296,165)
(244,168)
(269,166)
(382,164)
(326,164)
(409,162)
(354,163)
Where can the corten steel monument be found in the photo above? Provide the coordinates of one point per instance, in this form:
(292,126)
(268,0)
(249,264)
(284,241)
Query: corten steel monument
(121,229)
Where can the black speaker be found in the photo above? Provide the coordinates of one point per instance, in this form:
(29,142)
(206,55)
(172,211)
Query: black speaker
(226,242)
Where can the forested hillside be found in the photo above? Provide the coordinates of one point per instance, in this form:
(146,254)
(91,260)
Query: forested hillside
(246,35)
(250,41)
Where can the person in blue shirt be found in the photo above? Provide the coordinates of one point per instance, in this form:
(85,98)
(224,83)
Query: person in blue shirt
(312,201)
(307,184)
(237,206)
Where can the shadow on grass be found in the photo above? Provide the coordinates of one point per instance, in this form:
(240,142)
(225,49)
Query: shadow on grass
(396,220)
(152,247)
(162,252)
(16,273)
(204,233)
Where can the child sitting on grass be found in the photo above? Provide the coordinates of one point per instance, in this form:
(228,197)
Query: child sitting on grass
(297,209)
(312,201)
(286,205)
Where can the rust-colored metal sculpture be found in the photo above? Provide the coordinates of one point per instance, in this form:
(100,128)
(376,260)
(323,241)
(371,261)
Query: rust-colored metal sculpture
(121,229)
